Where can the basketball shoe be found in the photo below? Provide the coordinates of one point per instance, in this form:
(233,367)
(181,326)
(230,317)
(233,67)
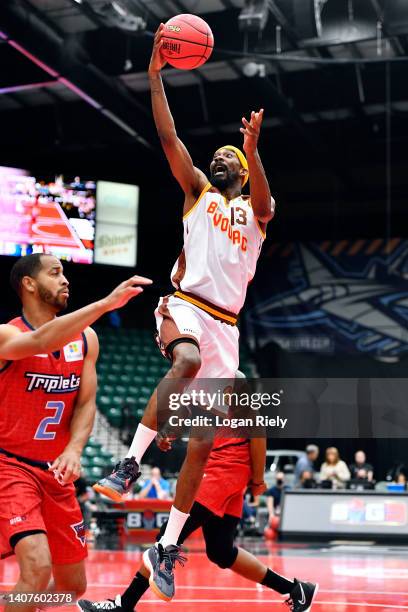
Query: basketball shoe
(302,596)
(114,486)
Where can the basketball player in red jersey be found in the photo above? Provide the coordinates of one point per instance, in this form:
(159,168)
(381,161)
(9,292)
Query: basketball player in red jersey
(47,408)
(223,235)
(233,465)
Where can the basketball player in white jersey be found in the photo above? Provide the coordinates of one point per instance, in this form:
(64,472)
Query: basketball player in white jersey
(223,235)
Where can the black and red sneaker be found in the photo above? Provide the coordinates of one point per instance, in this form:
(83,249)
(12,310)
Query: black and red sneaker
(114,486)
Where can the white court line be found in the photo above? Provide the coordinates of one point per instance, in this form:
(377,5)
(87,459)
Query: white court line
(259,601)
(330,603)
(98,585)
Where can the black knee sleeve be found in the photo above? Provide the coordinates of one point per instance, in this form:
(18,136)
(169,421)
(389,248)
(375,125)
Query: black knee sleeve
(222,556)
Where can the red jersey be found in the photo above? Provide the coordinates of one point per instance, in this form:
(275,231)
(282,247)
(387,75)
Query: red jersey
(37,399)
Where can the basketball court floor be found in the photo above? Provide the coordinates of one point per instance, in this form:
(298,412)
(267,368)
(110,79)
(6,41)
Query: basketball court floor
(353,578)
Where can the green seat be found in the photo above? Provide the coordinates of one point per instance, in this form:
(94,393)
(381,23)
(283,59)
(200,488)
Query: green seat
(93,442)
(125,379)
(130,358)
(117,401)
(130,400)
(142,358)
(151,381)
(98,461)
(133,390)
(104,401)
(120,390)
(90,452)
(102,368)
(85,461)
(94,473)
(116,368)
(114,416)
(112,378)
(141,369)
(106,389)
(142,401)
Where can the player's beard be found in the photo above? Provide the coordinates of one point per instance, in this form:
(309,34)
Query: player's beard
(223,182)
(58,301)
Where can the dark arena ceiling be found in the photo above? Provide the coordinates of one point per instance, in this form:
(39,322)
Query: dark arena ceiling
(331,75)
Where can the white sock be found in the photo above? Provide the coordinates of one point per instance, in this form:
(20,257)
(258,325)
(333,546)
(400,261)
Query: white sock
(176,523)
(141,442)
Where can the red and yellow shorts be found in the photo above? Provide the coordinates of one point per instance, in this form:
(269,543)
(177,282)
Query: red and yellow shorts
(32,499)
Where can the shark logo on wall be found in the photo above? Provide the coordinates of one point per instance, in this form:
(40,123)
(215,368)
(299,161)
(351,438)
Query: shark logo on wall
(317,304)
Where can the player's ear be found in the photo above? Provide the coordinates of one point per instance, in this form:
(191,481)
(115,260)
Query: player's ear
(243,172)
(28,284)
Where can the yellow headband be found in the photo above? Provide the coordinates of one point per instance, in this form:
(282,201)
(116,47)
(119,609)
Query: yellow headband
(242,160)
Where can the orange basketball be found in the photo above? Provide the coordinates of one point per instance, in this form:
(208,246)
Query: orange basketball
(187,41)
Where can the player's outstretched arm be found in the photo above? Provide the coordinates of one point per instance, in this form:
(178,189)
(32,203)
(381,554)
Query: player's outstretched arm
(262,202)
(52,336)
(68,464)
(190,178)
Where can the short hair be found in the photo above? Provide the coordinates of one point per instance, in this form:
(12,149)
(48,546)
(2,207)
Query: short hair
(312,448)
(29,265)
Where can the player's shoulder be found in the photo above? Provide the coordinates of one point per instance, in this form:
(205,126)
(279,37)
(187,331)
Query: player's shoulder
(92,342)
(90,333)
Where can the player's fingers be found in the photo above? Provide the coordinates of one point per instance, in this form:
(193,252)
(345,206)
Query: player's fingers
(71,473)
(248,126)
(133,292)
(137,280)
(54,465)
(259,117)
(142,280)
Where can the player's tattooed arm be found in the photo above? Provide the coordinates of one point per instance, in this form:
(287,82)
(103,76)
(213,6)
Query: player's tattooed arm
(262,202)
(55,334)
(68,464)
(190,178)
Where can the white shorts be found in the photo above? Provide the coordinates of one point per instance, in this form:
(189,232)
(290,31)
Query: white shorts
(218,341)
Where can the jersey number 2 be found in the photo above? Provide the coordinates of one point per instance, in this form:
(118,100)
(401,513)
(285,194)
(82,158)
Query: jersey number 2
(42,433)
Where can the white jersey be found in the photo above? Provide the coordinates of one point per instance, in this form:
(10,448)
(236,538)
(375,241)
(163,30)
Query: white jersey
(222,243)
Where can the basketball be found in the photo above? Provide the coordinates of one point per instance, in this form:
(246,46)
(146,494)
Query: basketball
(187,42)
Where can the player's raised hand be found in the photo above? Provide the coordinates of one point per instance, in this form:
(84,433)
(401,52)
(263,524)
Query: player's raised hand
(124,292)
(251,131)
(157,62)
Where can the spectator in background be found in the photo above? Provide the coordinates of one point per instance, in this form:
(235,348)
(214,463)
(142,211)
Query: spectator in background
(401,478)
(334,470)
(360,469)
(156,487)
(274,495)
(307,480)
(306,462)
